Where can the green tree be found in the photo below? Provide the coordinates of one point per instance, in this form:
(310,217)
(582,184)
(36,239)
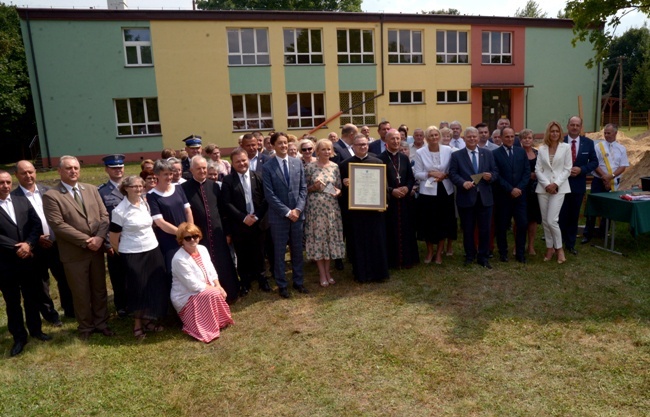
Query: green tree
(531,9)
(15,95)
(304,5)
(591,15)
(638,98)
(453,12)
(632,45)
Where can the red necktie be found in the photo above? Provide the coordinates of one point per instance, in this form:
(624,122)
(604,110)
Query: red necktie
(573,150)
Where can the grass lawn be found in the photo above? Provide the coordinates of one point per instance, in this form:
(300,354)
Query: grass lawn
(540,339)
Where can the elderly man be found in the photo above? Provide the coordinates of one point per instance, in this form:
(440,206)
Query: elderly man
(484,136)
(400,231)
(472,170)
(379,146)
(203,196)
(20,231)
(418,142)
(456,139)
(46,253)
(365,229)
(612,163)
(78,217)
(365,131)
(583,153)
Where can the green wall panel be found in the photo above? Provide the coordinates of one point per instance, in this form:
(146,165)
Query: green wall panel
(304,78)
(250,80)
(357,77)
(81,69)
(558,72)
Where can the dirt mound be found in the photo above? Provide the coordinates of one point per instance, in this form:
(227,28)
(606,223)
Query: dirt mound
(638,152)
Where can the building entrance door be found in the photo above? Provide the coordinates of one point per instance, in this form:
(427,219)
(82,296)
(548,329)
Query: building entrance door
(496,104)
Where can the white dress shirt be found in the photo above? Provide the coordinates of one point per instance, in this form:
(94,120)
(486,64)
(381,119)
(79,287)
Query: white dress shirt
(37,202)
(8,207)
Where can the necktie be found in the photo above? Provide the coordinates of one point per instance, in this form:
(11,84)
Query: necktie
(286,171)
(510,153)
(78,199)
(247,195)
(475,162)
(573,150)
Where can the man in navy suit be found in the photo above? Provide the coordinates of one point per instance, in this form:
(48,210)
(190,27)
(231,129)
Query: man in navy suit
(242,197)
(256,159)
(20,230)
(585,160)
(510,194)
(343,146)
(474,200)
(285,190)
(378,146)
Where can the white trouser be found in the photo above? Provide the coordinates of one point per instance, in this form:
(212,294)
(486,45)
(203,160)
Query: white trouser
(550,206)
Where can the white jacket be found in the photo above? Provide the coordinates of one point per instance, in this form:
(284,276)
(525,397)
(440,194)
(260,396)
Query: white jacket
(558,172)
(187,276)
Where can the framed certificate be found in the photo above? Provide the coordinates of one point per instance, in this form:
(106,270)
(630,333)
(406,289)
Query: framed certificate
(367,187)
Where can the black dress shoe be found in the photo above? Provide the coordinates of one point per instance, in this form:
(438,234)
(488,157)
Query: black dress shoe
(84,336)
(521,259)
(106,331)
(572,250)
(284,292)
(338,264)
(264,285)
(122,313)
(485,264)
(17,348)
(503,258)
(243,291)
(42,337)
(585,240)
(490,254)
(57,323)
(301,289)
(468,262)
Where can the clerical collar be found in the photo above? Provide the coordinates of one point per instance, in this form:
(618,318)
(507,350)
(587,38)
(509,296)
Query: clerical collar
(392,153)
(362,157)
(200,182)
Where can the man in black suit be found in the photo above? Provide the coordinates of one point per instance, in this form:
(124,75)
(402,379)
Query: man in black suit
(242,197)
(510,190)
(474,198)
(256,159)
(46,253)
(343,146)
(20,230)
(379,145)
(585,160)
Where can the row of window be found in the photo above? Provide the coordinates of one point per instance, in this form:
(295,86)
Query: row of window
(249,46)
(139,116)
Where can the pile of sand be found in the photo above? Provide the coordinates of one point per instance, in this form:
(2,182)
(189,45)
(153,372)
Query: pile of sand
(638,152)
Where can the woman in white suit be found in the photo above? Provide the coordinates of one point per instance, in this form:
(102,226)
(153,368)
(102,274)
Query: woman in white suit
(435,205)
(553,168)
(196,293)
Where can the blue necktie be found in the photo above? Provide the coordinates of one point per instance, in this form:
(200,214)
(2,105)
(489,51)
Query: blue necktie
(286,171)
(474,162)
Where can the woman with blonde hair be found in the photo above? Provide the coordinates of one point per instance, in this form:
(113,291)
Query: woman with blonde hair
(552,170)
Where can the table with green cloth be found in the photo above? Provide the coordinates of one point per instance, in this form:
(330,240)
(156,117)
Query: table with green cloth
(613,208)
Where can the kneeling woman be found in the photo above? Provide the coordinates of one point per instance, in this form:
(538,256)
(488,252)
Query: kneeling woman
(196,293)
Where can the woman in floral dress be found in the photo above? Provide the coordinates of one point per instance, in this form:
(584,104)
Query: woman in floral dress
(323,224)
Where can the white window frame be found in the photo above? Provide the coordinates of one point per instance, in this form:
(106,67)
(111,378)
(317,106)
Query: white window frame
(491,55)
(400,99)
(347,54)
(445,56)
(246,122)
(361,112)
(138,45)
(298,118)
(137,126)
(411,53)
(313,55)
(448,96)
(260,57)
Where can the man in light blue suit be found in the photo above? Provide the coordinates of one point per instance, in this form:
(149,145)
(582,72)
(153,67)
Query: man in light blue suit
(285,190)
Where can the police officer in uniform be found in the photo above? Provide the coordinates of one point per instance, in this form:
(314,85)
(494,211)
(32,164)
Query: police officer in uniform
(193,147)
(111,196)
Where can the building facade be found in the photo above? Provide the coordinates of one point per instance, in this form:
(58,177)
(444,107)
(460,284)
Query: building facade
(135,82)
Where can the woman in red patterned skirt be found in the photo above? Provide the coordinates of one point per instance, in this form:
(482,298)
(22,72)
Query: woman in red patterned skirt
(196,293)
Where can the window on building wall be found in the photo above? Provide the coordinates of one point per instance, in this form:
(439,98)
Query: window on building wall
(305,109)
(497,48)
(406,97)
(451,47)
(248,47)
(364,114)
(303,46)
(137,47)
(137,116)
(355,46)
(452,96)
(251,111)
(405,47)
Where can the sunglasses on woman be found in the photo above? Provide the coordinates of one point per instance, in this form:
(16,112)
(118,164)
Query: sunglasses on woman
(307,149)
(191,238)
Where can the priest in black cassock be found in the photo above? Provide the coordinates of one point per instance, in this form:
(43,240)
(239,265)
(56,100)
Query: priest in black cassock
(203,196)
(365,229)
(400,230)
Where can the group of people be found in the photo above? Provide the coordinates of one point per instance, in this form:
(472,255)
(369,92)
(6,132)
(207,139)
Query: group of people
(173,232)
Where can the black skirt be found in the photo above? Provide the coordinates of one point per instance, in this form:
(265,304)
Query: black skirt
(436,216)
(146,284)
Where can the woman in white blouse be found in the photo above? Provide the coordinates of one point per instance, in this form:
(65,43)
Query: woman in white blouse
(196,293)
(552,170)
(435,203)
(132,237)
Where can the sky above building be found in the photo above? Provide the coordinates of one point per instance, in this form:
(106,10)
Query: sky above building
(473,7)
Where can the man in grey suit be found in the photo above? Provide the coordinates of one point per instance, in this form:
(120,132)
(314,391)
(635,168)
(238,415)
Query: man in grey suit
(285,190)
(78,217)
